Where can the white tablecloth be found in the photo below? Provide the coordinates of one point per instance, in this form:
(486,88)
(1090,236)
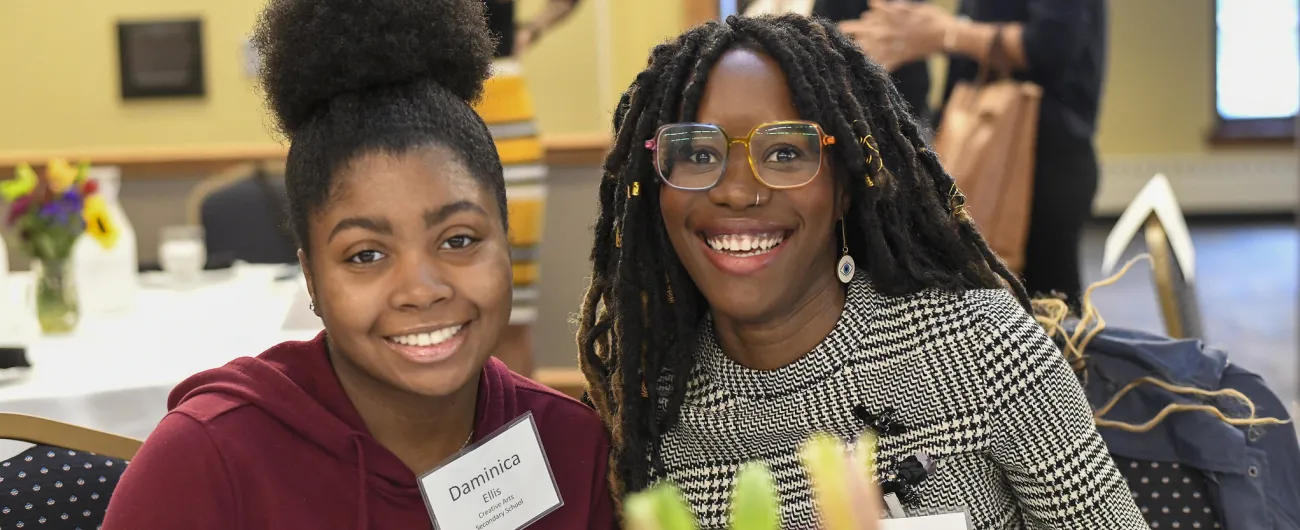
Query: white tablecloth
(115,371)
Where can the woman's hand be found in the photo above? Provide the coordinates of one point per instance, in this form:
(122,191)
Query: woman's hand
(897,32)
(554,12)
(525,36)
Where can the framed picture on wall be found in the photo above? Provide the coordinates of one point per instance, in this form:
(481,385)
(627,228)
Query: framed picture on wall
(161,58)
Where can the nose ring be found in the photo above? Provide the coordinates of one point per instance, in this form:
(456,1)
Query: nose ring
(756,195)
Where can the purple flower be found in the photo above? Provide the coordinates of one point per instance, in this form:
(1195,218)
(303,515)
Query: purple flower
(64,210)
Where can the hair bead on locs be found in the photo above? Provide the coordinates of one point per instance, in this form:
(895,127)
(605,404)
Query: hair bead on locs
(873,156)
(632,191)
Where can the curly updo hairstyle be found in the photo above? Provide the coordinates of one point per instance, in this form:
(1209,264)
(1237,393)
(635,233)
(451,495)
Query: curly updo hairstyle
(345,78)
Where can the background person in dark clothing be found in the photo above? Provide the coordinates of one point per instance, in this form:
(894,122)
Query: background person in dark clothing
(911,79)
(1057,44)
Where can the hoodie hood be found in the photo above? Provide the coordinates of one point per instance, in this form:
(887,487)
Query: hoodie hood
(295,383)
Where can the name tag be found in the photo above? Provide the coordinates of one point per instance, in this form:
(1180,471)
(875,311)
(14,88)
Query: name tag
(503,482)
(946,521)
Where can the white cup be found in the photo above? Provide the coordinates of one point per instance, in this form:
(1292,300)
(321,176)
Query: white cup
(182,254)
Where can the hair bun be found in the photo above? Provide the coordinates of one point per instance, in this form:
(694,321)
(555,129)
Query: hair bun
(315,50)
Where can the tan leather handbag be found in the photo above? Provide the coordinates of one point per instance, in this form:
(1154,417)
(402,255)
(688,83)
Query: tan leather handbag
(986,142)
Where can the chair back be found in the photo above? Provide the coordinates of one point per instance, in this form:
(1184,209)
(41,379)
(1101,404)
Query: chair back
(66,480)
(1168,494)
(1177,295)
(1155,212)
(246,220)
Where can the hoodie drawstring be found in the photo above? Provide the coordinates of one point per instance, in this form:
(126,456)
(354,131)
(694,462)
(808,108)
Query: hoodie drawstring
(362,516)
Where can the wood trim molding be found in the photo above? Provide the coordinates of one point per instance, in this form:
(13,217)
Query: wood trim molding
(1261,132)
(568,381)
(577,149)
(163,162)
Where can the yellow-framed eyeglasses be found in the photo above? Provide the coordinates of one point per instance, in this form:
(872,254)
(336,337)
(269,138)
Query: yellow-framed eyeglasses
(782,154)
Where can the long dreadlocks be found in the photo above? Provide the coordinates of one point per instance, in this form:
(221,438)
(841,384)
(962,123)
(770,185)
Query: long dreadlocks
(641,314)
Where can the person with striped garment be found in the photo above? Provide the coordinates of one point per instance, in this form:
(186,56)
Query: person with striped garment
(507,107)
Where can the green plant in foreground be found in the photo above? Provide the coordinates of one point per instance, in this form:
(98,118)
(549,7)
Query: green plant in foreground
(658,508)
(754,501)
(754,504)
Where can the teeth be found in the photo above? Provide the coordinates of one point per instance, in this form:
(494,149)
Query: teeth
(431,338)
(753,244)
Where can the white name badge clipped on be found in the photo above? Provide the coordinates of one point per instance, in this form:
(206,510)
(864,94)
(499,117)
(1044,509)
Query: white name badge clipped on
(502,482)
(946,521)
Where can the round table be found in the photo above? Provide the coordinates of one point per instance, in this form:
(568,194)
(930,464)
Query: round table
(115,371)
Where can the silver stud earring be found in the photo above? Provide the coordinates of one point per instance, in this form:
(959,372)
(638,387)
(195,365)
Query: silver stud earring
(312,306)
(846,267)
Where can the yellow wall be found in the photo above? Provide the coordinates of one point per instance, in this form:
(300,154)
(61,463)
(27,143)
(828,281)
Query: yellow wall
(61,80)
(1159,91)
(60,67)
(581,68)
(638,26)
(1160,88)
(563,70)
(60,87)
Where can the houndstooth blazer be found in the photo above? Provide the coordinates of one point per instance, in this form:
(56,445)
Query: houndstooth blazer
(975,383)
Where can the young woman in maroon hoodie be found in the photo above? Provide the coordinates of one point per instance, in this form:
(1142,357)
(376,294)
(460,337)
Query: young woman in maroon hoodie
(397,198)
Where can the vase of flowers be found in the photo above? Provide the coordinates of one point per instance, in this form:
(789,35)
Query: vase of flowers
(48,212)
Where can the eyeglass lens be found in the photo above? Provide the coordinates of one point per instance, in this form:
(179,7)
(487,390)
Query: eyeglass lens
(783,155)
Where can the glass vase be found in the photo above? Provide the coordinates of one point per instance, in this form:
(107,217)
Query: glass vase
(56,296)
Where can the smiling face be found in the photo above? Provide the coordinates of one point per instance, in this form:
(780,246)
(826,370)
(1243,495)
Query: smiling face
(410,270)
(753,263)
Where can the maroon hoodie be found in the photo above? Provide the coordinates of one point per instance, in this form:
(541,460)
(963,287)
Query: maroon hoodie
(273,442)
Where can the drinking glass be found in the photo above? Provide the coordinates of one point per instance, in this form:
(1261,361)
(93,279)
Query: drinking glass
(182,254)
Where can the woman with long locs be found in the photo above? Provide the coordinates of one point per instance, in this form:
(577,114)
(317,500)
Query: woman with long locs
(778,253)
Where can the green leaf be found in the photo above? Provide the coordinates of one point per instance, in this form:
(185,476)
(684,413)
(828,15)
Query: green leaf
(658,508)
(754,504)
(639,512)
(674,513)
(826,462)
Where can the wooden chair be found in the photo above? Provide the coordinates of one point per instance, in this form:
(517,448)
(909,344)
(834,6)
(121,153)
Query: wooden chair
(1177,295)
(66,480)
(1155,212)
(194,203)
(42,431)
(243,214)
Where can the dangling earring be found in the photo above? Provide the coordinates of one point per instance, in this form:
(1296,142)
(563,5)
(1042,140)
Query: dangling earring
(846,267)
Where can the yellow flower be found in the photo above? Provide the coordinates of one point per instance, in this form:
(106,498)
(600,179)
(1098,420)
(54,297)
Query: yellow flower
(24,182)
(99,224)
(61,175)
